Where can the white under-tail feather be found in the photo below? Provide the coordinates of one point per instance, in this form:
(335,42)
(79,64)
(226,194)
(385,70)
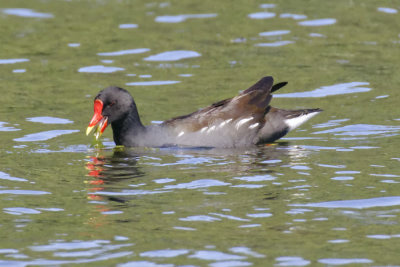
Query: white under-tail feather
(293,123)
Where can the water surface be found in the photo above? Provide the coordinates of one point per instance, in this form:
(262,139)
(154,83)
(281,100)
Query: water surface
(327,194)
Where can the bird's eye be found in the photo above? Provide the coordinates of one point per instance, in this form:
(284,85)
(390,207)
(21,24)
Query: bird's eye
(112,103)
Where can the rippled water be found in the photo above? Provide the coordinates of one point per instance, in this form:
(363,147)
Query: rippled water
(327,194)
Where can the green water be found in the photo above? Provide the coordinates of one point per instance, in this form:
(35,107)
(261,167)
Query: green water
(66,202)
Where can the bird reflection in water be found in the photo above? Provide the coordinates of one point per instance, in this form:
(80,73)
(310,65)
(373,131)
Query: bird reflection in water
(115,175)
(116,172)
(106,171)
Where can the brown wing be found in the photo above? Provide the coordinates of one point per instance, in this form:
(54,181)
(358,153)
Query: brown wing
(253,101)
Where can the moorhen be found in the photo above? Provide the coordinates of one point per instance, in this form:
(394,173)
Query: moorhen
(244,120)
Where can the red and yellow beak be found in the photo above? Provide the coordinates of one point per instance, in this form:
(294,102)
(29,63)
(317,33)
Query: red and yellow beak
(97,119)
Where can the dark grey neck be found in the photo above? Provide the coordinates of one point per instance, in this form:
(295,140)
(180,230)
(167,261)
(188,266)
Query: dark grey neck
(127,129)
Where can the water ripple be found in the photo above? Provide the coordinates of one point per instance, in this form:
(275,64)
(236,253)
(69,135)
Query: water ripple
(292,261)
(267,5)
(381,236)
(20,211)
(199,218)
(190,160)
(356,203)
(151,83)
(203,183)
(317,22)
(274,44)
(259,215)
(261,15)
(173,55)
(336,89)
(130,192)
(256,178)
(128,26)
(164,180)
(385,175)
(143,264)
(251,186)
(314,34)
(7,128)
(292,16)
(338,241)
(362,130)
(331,166)
(19,71)
(274,33)
(250,225)
(337,261)
(387,10)
(7,251)
(182,18)
(6,176)
(90,253)
(23,192)
(229,217)
(124,52)
(343,178)
(43,136)
(215,255)
(246,251)
(13,60)
(78,244)
(165,253)
(100,69)
(230,264)
(25,12)
(49,120)
(347,172)
(330,123)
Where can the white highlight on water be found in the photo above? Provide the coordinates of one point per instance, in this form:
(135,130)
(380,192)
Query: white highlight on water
(19,71)
(274,33)
(387,10)
(261,15)
(49,120)
(292,16)
(124,52)
(43,136)
(13,60)
(182,17)
(267,5)
(355,203)
(7,128)
(100,69)
(26,12)
(274,44)
(173,55)
(128,26)
(362,130)
(151,83)
(336,89)
(317,22)
(6,176)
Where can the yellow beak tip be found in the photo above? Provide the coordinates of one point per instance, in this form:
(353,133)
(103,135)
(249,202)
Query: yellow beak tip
(89,129)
